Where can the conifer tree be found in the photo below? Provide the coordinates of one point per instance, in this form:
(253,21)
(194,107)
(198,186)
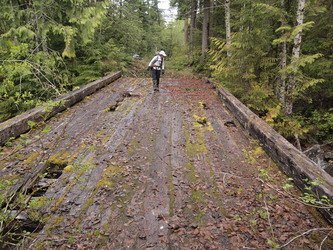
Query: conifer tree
(227,26)
(193,20)
(205,27)
(184,13)
(48,47)
(290,87)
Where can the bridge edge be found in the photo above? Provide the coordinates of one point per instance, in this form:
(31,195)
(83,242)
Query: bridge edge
(289,159)
(19,124)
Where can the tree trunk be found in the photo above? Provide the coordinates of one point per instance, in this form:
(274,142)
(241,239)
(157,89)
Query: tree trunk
(211,17)
(38,29)
(13,20)
(289,99)
(281,86)
(43,33)
(241,29)
(186,30)
(205,27)
(194,8)
(227,27)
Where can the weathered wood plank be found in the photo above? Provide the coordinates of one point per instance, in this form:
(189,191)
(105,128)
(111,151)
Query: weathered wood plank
(149,175)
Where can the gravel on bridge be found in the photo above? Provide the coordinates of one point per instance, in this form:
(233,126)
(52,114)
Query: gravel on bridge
(128,168)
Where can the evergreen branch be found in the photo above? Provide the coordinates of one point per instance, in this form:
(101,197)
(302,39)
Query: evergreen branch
(269,9)
(38,70)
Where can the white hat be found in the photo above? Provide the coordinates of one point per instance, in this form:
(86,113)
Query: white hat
(162,53)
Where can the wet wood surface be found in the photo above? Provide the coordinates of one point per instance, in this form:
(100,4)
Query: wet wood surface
(172,169)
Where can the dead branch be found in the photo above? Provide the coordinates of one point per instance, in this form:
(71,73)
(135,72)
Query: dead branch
(322,242)
(305,233)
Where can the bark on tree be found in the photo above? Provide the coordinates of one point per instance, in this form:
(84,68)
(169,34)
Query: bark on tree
(281,86)
(205,27)
(211,17)
(186,30)
(227,27)
(289,100)
(194,8)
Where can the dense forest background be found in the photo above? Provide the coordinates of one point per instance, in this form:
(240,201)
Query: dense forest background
(274,55)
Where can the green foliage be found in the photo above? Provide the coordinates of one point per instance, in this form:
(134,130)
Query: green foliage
(321,125)
(311,198)
(273,244)
(260,98)
(11,208)
(250,67)
(290,32)
(247,80)
(290,127)
(179,60)
(252,70)
(50,47)
(172,41)
(27,79)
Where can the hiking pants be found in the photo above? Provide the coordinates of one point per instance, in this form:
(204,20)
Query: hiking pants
(156,74)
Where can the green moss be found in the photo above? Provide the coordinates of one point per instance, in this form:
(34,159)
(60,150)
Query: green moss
(258,151)
(86,99)
(107,138)
(86,205)
(131,106)
(59,158)
(197,196)
(132,148)
(192,173)
(69,168)
(200,120)
(55,206)
(84,168)
(100,134)
(56,221)
(104,182)
(6,182)
(193,148)
(64,156)
(44,245)
(71,158)
(112,171)
(31,158)
(249,157)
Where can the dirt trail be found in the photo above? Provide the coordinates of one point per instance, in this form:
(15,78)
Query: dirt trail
(167,170)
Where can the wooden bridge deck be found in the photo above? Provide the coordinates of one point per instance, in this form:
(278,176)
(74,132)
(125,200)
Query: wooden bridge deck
(128,168)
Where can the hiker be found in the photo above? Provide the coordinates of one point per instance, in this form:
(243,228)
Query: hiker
(156,66)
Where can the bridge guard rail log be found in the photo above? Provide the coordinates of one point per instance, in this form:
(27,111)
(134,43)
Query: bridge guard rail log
(19,124)
(290,160)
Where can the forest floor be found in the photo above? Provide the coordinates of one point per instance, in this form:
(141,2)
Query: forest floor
(128,168)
